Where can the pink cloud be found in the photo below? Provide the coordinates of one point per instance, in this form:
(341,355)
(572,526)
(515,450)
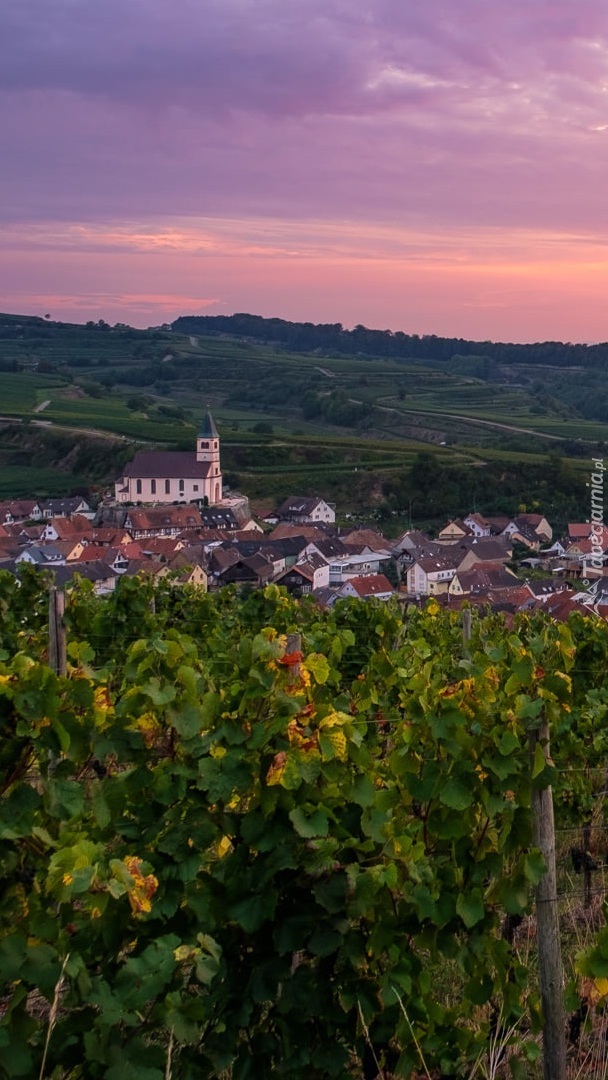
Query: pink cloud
(382,118)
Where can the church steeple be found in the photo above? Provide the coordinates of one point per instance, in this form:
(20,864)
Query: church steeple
(208,428)
(208,450)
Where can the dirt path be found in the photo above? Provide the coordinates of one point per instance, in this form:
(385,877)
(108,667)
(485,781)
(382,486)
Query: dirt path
(471,420)
(43,405)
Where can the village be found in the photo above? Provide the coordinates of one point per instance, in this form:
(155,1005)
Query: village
(170,517)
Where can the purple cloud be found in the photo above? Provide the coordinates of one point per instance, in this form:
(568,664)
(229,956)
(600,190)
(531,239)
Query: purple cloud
(431,117)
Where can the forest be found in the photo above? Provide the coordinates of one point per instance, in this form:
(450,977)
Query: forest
(334,338)
(244,836)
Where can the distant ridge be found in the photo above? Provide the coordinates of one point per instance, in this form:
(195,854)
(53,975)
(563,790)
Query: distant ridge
(333,338)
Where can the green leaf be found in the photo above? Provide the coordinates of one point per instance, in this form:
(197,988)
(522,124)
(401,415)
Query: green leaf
(18,811)
(315,824)
(456,795)
(252,912)
(540,761)
(101,810)
(508,743)
(210,707)
(534,866)
(470,908)
(325,941)
(363,792)
(186,720)
(479,991)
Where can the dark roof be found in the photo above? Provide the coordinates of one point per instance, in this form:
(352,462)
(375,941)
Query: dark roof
(299,504)
(63,507)
(94,571)
(208,429)
(174,464)
(486,548)
(218,517)
(332,548)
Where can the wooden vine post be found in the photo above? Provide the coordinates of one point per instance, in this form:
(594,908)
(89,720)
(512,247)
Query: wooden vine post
(57,642)
(551,975)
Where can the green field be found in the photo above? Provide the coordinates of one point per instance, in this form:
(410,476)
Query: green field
(349,427)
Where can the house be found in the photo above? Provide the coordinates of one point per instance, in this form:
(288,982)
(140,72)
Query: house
(311,532)
(481,579)
(107,536)
(167,476)
(303,510)
(368,587)
(42,557)
(487,549)
(304,577)
(76,527)
(429,575)
(254,570)
(479,525)
(454,530)
(161,521)
(184,572)
(16,510)
(530,529)
(369,538)
(102,576)
(414,544)
(64,507)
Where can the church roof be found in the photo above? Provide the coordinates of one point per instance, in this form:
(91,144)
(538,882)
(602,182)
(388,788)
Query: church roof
(173,464)
(208,429)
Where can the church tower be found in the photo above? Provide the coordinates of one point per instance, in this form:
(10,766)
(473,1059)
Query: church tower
(208,451)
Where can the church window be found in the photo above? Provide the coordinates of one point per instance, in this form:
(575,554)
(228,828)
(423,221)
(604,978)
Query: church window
(204,445)
(138,487)
(195,487)
(167,487)
(181,485)
(153,487)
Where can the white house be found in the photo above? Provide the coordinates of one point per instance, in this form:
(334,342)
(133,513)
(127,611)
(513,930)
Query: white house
(170,476)
(429,576)
(303,510)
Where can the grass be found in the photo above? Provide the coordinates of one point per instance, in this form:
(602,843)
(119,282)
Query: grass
(22,481)
(20,392)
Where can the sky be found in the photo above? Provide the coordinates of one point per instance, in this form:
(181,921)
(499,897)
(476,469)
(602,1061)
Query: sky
(431,166)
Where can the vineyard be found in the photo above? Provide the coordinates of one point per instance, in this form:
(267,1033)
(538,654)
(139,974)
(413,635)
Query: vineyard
(242,836)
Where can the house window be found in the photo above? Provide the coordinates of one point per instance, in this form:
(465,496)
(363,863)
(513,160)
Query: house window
(167,487)
(181,487)
(153,487)
(138,487)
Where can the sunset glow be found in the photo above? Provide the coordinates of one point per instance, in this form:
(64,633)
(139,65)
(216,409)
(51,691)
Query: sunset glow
(413,167)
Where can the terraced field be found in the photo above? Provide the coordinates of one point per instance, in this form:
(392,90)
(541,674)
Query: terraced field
(333,424)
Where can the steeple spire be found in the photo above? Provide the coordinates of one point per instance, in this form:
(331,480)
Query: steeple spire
(208,429)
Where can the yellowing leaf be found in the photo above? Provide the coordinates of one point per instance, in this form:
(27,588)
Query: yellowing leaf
(277,768)
(334,719)
(337,740)
(224,846)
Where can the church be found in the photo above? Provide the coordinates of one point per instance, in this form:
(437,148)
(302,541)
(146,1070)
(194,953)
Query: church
(171,476)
